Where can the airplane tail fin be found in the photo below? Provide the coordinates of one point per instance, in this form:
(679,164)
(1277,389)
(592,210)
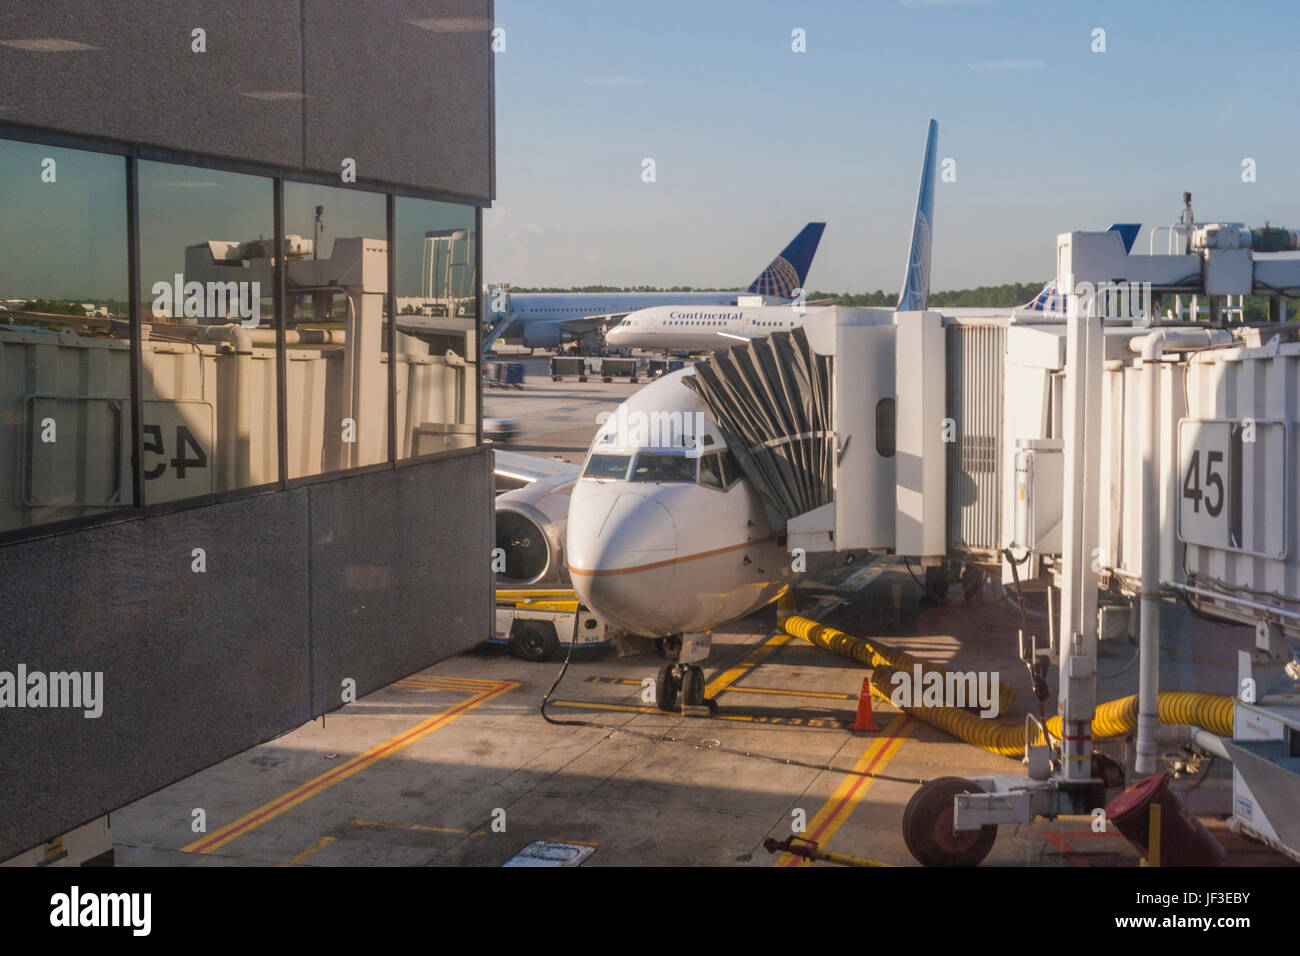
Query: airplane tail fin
(788,271)
(1049,298)
(916,282)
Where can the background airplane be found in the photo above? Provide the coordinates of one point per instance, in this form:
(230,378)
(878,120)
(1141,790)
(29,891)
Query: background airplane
(703,328)
(548,319)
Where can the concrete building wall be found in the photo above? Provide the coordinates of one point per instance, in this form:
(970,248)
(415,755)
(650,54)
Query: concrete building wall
(366,576)
(369,577)
(403,87)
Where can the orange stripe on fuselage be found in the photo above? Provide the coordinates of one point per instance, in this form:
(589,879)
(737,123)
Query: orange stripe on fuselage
(583,572)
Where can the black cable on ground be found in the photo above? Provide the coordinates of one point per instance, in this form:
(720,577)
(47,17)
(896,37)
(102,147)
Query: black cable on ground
(698,744)
(915,580)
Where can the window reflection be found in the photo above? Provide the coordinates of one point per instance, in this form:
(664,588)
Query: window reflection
(437,326)
(208,372)
(65,374)
(337,283)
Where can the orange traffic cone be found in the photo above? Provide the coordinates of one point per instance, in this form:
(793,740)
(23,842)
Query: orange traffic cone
(866,720)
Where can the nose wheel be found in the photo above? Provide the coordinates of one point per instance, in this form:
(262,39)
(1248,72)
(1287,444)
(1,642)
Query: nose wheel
(686,679)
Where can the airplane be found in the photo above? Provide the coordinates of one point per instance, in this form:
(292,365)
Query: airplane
(704,328)
(664,535)
(547,319)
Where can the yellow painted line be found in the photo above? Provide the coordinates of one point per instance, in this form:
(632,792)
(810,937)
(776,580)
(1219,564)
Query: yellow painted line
(780,692)
(727,678)
(308,852)
(438,685)
(813,723)
(630,708)
(406,826)
(452,679)
(836,811)
(270,811)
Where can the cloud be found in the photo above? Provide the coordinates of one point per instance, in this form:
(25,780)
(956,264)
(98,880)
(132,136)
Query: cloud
(613,81)
(1006,65)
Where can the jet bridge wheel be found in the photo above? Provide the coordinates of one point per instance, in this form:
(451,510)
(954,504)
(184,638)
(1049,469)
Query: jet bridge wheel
(927,826)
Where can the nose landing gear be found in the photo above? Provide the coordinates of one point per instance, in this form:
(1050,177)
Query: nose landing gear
(682,675)
(686,679)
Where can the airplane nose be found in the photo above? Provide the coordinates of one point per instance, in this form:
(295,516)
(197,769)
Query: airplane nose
(621,547)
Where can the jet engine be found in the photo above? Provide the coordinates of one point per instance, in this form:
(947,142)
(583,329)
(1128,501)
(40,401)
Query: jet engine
(530,529)
(542,335)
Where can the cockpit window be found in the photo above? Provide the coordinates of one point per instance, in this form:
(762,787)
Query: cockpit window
(719,470)
(607,466)
(730,470)
(711,471)
(657,467)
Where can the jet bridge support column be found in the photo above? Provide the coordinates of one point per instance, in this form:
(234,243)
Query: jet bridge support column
(1078,624)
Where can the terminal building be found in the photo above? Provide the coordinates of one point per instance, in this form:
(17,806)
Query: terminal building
(242,477)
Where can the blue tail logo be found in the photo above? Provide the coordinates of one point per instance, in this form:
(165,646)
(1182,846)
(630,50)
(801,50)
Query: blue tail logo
(1050,299)
(789,270)
(916,283)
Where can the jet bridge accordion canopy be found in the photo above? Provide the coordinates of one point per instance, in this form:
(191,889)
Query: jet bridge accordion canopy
(771,398)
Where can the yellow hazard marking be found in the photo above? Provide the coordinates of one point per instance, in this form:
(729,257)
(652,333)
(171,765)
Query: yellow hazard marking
(288,801)
(410,826)
(319,845)
(779,691)
(814,722)
(755,657)
(836,811)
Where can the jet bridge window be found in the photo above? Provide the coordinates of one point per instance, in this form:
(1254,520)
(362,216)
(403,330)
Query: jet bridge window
(886,436)
(663,467)
(607,466)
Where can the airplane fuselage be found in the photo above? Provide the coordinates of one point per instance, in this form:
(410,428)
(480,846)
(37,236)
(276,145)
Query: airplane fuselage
(525,308)
(662,540)
(702,328)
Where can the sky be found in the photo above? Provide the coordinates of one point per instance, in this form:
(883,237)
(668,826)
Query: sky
(751,140)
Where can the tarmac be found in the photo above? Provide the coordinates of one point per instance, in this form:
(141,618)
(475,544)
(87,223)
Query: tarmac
(456,765)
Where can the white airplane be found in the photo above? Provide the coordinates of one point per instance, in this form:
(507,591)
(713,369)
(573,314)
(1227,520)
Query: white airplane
(705,328)
(548,319)
(666,535)
(702,328)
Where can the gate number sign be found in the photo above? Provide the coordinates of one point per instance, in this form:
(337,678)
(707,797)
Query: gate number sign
(1232,492)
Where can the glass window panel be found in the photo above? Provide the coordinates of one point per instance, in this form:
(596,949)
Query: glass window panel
(437,325)
(65,359)
(711,471)
(653,467)
(607,466)
(337,356)
(208,370)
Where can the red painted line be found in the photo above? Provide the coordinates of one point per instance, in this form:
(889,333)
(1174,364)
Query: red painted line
(857,784)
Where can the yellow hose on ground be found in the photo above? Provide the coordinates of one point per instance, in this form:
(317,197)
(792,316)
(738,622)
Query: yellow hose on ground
(1114,718)
(873,653)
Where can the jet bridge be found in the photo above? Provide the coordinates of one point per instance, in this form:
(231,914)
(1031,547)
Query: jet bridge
(1142,443)
(844,440)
